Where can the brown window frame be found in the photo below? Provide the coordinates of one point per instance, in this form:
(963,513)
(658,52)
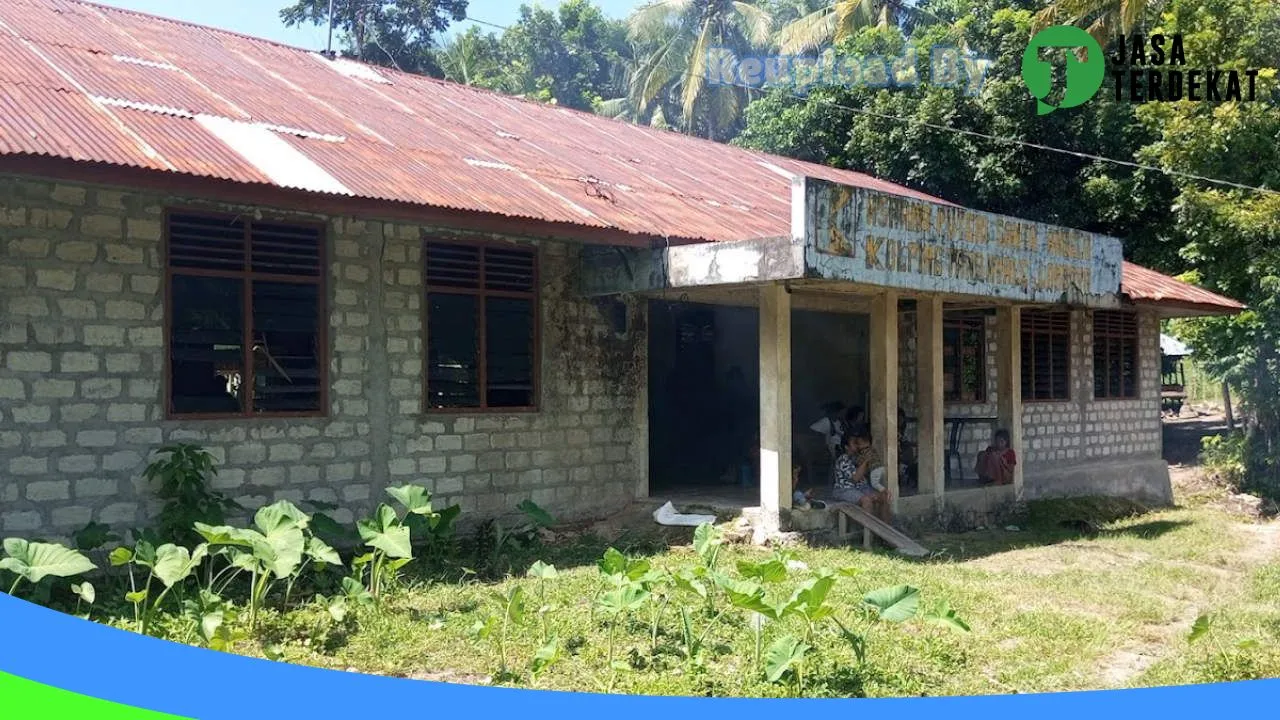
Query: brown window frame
(1117,331)
(965,323)
(482,293)
(248,276)
(1040,327)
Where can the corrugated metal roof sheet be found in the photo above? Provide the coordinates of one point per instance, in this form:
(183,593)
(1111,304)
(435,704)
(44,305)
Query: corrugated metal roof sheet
(91,83)
(1148,286)
(404,138)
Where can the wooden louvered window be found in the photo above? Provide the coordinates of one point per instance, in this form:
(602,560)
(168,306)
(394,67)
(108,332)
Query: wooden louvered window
(964,350)
(1046,356)
(246,327)
(481,326)
(1115,355)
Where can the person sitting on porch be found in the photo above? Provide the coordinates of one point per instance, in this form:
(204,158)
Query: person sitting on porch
(860,474)
(831,426)
(996,463)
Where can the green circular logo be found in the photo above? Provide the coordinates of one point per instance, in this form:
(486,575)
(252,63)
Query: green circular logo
(1083,77)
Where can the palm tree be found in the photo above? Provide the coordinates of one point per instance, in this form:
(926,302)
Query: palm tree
(1104,19)
(472,58)
(835,21)
(675,38)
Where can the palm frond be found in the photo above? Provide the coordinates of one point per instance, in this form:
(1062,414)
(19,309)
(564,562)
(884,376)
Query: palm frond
(809,32)
(756,23)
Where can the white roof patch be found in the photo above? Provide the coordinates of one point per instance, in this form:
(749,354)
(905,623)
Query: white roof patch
(272,155)
(144,63)
(352,69)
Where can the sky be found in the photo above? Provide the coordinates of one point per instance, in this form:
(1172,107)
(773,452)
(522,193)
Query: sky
(261,18)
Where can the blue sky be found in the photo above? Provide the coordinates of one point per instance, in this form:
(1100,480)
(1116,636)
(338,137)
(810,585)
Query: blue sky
(261,18)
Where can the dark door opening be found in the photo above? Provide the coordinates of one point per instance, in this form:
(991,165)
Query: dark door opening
(704,399)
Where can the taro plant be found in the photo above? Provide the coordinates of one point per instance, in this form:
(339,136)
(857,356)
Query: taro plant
(544,572)
(495,626)
(169,564)
(495,541)
(273,552)
(628,590)
(389,535)
(32,562)
(215,619)
(181,475)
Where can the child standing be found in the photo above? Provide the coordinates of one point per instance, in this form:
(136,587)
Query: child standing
(996,463)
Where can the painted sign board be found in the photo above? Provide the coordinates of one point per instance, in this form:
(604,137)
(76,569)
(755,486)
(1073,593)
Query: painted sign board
(877,238)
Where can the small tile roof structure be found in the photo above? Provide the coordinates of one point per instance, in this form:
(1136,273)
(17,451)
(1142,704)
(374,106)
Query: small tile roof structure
(104,87)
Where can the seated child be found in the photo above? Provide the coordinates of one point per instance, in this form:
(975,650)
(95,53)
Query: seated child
(996,463)
(860,474)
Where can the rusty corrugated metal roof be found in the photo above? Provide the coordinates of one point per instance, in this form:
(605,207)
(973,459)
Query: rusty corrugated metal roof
(1143,285)
(91,83)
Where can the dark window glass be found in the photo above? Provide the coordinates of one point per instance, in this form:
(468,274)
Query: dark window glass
(246,317)
(481,326)
(964,357)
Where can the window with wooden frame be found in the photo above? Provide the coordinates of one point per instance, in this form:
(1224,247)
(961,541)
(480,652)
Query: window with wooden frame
(1115,355)
(1046,356)
(245,317)
(964,350)
(481,326)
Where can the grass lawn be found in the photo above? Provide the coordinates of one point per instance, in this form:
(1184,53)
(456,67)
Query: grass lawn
(1049,610)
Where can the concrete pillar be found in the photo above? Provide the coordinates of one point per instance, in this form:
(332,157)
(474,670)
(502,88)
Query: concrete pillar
(884,385)
(1009,379)
(775,404)
(930,399)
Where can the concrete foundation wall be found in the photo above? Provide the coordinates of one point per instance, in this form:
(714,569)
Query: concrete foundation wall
(82,360)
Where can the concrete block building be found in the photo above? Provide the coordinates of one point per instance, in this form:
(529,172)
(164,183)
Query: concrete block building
(338,278)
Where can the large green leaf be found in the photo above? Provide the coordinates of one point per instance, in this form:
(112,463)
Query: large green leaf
(414,498)
(687,581)
(613,562)
(1200,627)
(34,561)
(706,542)
(281,551)
(627,598)
(769,571)
(394,541)
(745,595)
(223,535)
(175,564)
(540,517)
(810,599)
(894,604)
(320,552)
(785,652)
(947,617)
(383,519)
(546,656)
(542,571)
(85,591)
(280,517)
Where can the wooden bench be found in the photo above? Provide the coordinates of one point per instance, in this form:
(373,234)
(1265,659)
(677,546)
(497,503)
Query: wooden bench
(872,525)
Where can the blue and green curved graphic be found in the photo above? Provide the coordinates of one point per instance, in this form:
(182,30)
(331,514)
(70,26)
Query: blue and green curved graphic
(55,666)
(20,698)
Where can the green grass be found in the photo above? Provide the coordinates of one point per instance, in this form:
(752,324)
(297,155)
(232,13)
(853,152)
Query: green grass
(1049,611)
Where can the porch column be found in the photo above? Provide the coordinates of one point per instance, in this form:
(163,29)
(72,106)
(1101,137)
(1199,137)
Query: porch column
(1009,379)
(929,399)
(775,403)
(884,385)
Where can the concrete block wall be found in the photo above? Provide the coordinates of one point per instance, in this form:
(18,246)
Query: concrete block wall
(1079,431)
(82,360)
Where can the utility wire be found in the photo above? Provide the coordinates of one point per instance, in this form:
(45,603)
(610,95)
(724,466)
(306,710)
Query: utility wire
(986,136)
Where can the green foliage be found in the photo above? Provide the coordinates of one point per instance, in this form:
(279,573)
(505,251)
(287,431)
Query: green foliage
(169,564)
(495,541)
(32,562)
(390,535)
(395,33)
(181,475)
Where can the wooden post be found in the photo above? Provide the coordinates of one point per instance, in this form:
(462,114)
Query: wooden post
(1009,379)
(884,385)
(1226,406)
(775,405)
(931,453)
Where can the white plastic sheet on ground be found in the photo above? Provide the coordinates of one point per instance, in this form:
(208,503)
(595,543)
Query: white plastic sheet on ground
(667,515)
